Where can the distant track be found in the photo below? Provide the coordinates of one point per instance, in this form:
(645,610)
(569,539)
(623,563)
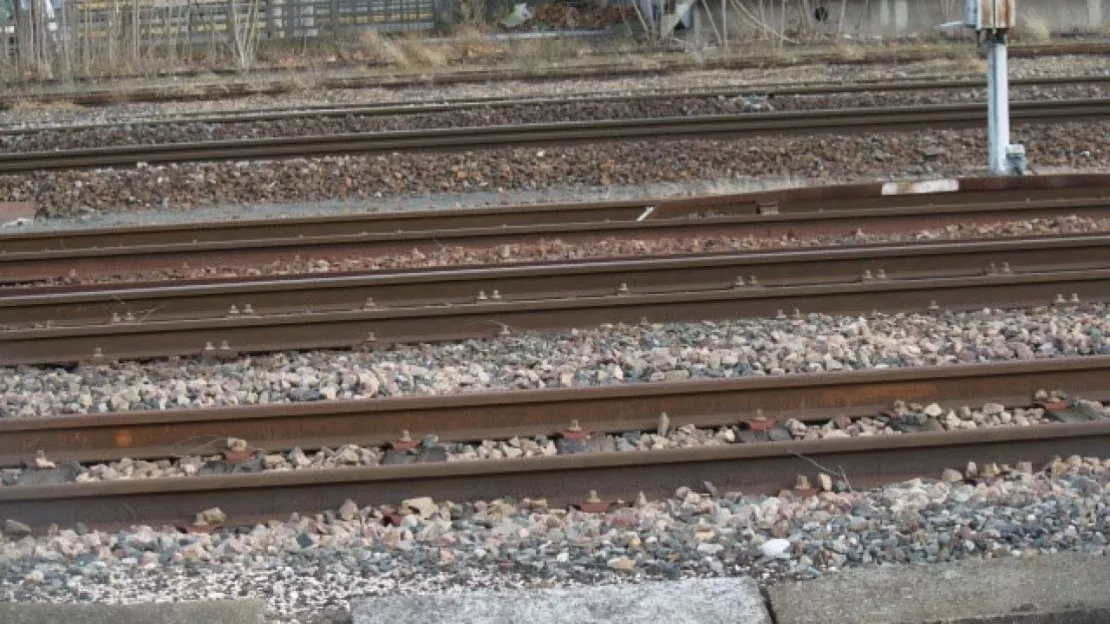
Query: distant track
(448,105)
(447,139)
(592,71)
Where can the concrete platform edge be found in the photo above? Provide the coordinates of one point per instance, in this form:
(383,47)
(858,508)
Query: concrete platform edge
(203,612)
(1046,589)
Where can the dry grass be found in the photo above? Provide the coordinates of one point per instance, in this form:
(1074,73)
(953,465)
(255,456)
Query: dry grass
(409,52)
(57,105)
(537,53)
(421,55)
(1032,27)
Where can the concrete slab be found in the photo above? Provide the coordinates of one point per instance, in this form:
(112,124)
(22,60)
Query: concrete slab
(214,612)
(1066,588)
(697,601)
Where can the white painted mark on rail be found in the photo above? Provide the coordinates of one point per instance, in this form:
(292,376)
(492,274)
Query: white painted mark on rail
(646,214)
(948,185)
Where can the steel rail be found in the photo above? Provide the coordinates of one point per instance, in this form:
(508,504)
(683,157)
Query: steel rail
(790,122)
(448,105)
(46,255)
(561,480)
(491,415)
(440,287)
(364,328)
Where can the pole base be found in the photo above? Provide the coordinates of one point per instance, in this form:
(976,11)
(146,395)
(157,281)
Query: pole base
(1016,163)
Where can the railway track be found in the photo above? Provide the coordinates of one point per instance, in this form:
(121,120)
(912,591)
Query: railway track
(932,84)
(433,288)
(468,138)
(106,97)
(32,256)
(751,467)
(671,298)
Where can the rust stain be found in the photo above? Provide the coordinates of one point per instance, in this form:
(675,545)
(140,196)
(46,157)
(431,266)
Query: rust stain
(123,438)
(840,397)
(11,211)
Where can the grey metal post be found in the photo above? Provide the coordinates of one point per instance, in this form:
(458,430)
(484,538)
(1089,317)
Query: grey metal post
(998,102)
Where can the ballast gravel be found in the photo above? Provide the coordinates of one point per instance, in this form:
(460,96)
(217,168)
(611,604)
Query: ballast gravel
(364,178)
(581,357)
(308,568)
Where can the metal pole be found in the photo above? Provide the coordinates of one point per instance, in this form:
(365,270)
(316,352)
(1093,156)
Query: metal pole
(998,102)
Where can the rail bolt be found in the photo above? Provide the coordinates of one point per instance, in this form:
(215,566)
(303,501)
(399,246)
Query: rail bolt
(129,318)
(867,277)
(369,304)
(482,295)
(248,309)
(753,281)
(880,274)
(405,442)
(116,318)
(760,422)
(233,310)
(594,504)
(622,289)
(1006,268)
(496,296)
(208,346)
(739,283)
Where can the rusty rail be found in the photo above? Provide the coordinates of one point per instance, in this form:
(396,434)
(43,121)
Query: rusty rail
(368,327)
(790,122)
(307,294)
(492,415)
(45,255)
(751,468)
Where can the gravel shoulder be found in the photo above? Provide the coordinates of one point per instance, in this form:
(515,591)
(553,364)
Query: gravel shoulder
(308,568)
